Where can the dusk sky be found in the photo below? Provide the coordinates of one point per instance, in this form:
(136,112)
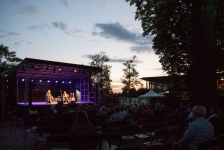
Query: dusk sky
(72,31)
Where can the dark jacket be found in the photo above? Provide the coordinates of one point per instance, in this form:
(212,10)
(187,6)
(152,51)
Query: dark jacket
(82,128)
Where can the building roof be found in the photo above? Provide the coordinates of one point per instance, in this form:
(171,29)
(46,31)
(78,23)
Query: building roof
(45,69)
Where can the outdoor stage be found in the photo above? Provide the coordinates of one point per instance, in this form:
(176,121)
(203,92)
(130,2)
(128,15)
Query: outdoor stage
(55,103)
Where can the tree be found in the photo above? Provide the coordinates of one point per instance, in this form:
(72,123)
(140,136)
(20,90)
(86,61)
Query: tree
(130,76)
(189,39)
(8,59)
(100,60)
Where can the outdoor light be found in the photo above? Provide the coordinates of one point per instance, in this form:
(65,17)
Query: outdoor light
(40,81)
(63,81)
(23,79)
(69,82)
(56,81)
(31,80)
(48,81)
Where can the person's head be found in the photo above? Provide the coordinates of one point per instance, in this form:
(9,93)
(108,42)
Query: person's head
(64,108)
(215,110)
(89,108)
(49,91)
(198,111)
(130,111)
(50,112)
(81,116)
(103,108)
(117,109)
(133,107)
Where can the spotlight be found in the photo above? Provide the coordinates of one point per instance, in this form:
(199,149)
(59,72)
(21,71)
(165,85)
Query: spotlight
(74,70)
(63,81)
(69,82)
(40,80)
(31,80)
(23,79)
(56,81)
(48,81)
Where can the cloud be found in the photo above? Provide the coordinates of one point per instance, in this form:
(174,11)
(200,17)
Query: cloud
(10,34)
(118,32)
(61,25)
(30,11)
(141,49)
(41,27)
(65,2)
(115,60)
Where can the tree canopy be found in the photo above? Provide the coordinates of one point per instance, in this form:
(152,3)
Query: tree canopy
(170,22)
(8,59)
(189,39)
(130,76)
(100,60)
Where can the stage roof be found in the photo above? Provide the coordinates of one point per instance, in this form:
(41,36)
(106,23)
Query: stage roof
(45,69)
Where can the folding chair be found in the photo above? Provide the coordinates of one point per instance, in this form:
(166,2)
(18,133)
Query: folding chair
(145,131)
(110,139)
(29,130)
(128,148)
(41,135)
(58,142)
(175,135)
(158,138)
(160,147)
(129,133)
(82,142)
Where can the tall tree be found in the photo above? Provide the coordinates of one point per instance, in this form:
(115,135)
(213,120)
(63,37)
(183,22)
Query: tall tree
(130,76)
(100,60)
(188,37)
(8,59)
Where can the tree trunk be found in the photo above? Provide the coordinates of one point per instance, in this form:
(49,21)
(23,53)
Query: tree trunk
(204,53)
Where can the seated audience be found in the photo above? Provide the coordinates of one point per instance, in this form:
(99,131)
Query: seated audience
(129,118)
(215,119)
(200,130)
(82,125)
(116,116)
(181,111)
(102,111)
(148,112)
(64,119)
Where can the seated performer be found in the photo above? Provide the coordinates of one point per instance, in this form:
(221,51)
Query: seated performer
(65,97)
(49,96)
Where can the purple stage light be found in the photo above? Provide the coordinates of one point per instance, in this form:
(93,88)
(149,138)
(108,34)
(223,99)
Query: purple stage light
(48,81)
(31,80)
(40,81)
(69,82)
(23,79)
(63,81)
(56,81)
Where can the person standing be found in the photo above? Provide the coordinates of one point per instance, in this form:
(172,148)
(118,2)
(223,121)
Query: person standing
(49,96)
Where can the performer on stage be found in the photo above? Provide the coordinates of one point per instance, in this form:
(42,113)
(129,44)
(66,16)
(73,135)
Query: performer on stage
(49,96)
(65,97)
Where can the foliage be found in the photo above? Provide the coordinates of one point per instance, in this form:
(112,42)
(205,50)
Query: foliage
(130,76)
(170,22)
(8,59)
(100,60)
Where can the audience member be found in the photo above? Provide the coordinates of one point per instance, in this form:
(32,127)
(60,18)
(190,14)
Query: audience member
(129,118)
(82,125)
(181,111)
(200,130)
(215,119)
(148,112)
(64,119)
(116,116)
(102,111)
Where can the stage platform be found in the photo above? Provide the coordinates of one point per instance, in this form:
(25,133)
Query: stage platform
(44,103)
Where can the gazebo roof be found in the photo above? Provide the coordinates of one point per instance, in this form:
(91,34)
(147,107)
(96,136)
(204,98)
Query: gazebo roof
(45,69)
